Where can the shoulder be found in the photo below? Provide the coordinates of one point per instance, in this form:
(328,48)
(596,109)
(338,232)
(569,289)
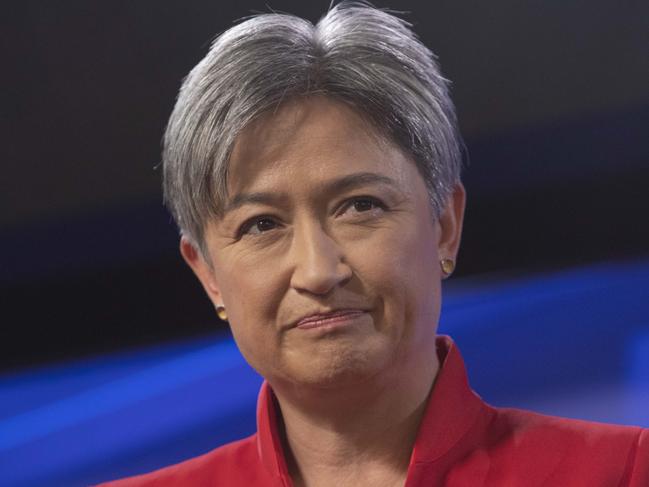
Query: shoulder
(236,463)
(566,449)
(534,425)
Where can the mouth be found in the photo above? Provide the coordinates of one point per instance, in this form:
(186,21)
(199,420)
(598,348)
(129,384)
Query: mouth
(329,319)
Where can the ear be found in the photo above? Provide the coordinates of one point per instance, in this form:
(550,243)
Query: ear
(202,269)
(450,223)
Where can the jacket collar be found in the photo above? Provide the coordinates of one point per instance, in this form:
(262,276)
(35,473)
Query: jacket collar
(452,406)
(269,445)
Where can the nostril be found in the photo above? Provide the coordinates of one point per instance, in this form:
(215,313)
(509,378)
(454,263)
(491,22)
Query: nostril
(320,276)
(318,282)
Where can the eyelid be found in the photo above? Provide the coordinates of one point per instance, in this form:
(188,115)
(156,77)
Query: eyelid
(245,227)
(350,201)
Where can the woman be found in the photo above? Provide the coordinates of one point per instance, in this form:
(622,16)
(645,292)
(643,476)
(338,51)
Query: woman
(314,172)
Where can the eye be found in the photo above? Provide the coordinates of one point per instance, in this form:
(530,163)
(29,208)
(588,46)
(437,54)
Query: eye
(257,226)
(362,204)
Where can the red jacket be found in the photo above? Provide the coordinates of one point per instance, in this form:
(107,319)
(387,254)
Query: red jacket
(462,441)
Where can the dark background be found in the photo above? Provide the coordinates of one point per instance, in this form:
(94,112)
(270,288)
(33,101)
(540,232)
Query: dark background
(553,101)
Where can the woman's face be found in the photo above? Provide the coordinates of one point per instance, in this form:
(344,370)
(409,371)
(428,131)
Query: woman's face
(324,218)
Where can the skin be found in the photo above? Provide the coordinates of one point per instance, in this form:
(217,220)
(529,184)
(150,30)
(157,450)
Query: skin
(295,241)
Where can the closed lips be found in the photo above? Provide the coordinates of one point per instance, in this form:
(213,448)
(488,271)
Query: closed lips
(324,318)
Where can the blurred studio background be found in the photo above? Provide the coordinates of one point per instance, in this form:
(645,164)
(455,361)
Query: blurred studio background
(113,361)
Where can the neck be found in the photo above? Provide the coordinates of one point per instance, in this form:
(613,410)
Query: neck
(364,433)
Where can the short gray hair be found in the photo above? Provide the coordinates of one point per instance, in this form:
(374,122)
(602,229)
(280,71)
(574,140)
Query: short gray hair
(357,54)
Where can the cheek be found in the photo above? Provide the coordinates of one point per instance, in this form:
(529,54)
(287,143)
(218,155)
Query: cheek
(404,274)
(251,297)
(410,256)
(424,275)
(249,287)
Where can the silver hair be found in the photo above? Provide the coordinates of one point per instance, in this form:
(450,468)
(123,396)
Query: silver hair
(357,54)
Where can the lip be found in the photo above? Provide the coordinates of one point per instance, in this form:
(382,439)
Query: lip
(329,319)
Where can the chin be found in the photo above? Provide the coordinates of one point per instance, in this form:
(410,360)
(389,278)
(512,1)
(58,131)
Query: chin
(338,368)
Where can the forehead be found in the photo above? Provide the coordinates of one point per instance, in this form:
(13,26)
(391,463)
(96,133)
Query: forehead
(316,134)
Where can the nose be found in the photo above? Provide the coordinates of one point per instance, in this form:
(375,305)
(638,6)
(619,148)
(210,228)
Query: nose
(318,261)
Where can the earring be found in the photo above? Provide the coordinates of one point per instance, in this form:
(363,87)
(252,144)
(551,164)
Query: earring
(220,312)
(448,266)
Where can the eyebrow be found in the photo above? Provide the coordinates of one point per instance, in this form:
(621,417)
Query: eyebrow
(358,179)
(339,185)
(243,199)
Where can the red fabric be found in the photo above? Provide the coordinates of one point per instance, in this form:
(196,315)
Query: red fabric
(462,441)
